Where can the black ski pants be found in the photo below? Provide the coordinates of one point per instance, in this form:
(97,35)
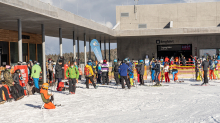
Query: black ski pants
(72,85)
(116,77)
(13,92)
(126,80)
(5,92)
(19,89)
(87,81)
(105,78)
(141,79)
(206,77)
(50,75)
(99,78)
(157,79)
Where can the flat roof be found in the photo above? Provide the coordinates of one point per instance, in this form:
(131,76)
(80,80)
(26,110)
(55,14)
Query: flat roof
(33,13)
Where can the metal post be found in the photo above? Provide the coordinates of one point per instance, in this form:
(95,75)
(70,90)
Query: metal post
(61,45)
(20,41)
(43,53)
(109,51)
(74,46)
(90,49)
(101,44)
(85,48)
(78,48)
(104,49)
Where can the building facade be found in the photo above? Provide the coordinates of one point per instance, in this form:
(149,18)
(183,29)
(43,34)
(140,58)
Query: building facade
(153,30)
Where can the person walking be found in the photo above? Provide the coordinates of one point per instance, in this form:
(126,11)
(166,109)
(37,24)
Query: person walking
(35,74)
(205,65)
(123,74)
(73,74)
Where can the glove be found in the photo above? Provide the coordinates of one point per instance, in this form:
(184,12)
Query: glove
(51,98)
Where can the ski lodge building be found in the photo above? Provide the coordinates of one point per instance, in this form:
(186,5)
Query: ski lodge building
(140,30)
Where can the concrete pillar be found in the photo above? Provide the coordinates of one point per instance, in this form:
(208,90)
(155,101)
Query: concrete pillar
(78,49)
(61,42)
(90,49)
(109,51)
(104,49)
(74,46)
(85,47)
(43,53)
(20,41)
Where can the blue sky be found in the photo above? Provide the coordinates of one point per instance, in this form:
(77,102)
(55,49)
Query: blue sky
(101,11)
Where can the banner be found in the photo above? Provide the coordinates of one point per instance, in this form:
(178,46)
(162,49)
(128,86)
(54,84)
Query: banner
(96,49)
(24,71)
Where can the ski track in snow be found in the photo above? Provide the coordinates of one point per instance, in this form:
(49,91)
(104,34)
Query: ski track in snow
(176,103)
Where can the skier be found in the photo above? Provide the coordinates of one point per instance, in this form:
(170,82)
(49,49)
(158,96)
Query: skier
(105,70)
(205,65)
(115,70)
(89,74)
(166,70)
(99,71)
(9,82)
(157,70)
(141,72)
(73,74)
(152,63)
(50,70)
(212,68)
(35,74)
(216,70)
(47,98)
(59,71)
(123,74)
(17,85)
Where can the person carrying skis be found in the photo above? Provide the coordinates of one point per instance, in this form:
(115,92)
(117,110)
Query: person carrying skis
(115,70)
(123,74)
(17,85)
(105,70)
(73,74)
(47,98)
(35,74)
(89,74)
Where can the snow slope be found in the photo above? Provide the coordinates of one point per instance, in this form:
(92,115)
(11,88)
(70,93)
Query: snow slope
(177,103)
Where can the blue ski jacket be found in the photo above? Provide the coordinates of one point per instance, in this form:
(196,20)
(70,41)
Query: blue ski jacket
(123,69)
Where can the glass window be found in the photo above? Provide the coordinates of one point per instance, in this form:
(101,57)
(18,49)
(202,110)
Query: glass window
(32,50)
(14,52)
(25,52)
(39,54)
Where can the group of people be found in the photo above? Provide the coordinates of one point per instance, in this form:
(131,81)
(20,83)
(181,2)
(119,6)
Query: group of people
(10,86)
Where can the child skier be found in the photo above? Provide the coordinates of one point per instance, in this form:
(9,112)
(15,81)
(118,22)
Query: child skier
(47,98)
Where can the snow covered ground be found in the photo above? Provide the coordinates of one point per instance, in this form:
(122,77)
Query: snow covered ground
(178,103)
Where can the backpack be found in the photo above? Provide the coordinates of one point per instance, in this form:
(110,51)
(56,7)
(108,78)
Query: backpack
(116,68)
(212,67)
(87,72)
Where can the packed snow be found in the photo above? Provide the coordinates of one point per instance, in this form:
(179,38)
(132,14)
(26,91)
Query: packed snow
(177,103)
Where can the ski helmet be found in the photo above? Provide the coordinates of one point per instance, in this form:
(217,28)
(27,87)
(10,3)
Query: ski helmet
(141,61)
(115,60)
(89,63)
(104,61)
(45,86)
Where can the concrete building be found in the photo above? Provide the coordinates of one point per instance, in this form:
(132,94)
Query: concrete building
(153,30)
(168,29)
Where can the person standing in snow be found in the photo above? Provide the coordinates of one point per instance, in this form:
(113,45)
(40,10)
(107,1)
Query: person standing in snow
(59,71)
(141,72)
(115,70)
(157,70)
(105,70)
(123,74)
(35,74)
(205,65)
(73,74)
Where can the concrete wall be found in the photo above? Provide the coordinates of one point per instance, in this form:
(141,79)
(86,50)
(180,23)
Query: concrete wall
(138,47)
(183,15)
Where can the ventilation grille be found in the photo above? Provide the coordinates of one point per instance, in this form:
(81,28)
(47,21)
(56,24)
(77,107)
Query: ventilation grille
(124,14)
(142,26)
